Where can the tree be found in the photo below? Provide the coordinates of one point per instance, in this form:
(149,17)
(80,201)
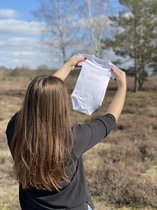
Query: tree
(93,21)
(137,25)
(59,32)
(74,26)
(97,23)
(153,65)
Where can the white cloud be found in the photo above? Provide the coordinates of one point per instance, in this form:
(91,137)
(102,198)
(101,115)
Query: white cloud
(20,42)
(95,21)
(24,46)
(8,13)
(20,27)
(23,53)
(125,62)
(14,42)
(18,51)
(128,15)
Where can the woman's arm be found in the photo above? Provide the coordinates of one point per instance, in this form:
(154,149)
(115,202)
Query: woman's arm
(70,65)
(117,103)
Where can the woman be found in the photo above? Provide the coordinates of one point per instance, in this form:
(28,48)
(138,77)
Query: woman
(47,151)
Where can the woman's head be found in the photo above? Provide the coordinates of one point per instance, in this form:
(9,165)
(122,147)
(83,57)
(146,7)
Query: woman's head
(46,101)
(42,139)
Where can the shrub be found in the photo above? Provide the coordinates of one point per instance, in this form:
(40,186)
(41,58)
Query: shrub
(121,186)
(120,179)
(148,151)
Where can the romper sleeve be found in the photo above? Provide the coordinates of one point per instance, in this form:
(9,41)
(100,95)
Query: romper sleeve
(88,135)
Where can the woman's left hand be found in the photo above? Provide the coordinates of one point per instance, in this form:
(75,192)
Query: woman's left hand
(73,61)
(70,65)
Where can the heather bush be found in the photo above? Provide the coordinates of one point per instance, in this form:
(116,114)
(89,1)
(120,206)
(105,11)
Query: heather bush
(120,179)
(148,151)
(122,186)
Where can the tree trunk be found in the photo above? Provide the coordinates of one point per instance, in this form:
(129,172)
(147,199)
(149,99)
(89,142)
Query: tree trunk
(62,47)
(142,73)
(136,76)
(135,56)
(136,87)
(61,33)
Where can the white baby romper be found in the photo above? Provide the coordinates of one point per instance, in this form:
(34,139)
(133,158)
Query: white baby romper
(91,85)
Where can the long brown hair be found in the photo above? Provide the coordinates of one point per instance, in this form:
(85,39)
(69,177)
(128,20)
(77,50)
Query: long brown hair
(42,141)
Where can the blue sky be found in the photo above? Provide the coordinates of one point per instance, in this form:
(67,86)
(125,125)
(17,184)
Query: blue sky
(23,7)
(20,34)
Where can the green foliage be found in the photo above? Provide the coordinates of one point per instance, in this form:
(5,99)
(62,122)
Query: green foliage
(6,74)
(137,34)
(21,72)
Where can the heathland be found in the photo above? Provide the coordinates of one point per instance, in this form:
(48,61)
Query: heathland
(121,170)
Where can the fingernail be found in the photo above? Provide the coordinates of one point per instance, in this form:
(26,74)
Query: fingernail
(85,58)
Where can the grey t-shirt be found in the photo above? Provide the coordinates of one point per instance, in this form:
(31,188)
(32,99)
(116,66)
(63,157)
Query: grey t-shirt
(73,195)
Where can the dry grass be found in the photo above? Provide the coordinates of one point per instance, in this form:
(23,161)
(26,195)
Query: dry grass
(121,171)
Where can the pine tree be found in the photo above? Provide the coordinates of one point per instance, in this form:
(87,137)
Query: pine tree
(137,37)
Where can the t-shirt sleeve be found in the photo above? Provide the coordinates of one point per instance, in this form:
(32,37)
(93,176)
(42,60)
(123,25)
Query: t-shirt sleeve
(10,128)
(88,135)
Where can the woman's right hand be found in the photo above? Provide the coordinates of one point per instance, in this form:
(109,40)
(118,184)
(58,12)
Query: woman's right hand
(117,103)
(120,77)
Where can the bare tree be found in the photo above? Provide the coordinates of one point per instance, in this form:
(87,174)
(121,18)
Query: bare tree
(74,26)
(98,18)
(93,21)
(60,28)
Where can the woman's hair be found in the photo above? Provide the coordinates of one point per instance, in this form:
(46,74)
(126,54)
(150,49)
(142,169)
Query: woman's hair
(42,141)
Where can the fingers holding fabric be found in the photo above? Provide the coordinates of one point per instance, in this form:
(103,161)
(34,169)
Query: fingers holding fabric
(75,60)
(119,75)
